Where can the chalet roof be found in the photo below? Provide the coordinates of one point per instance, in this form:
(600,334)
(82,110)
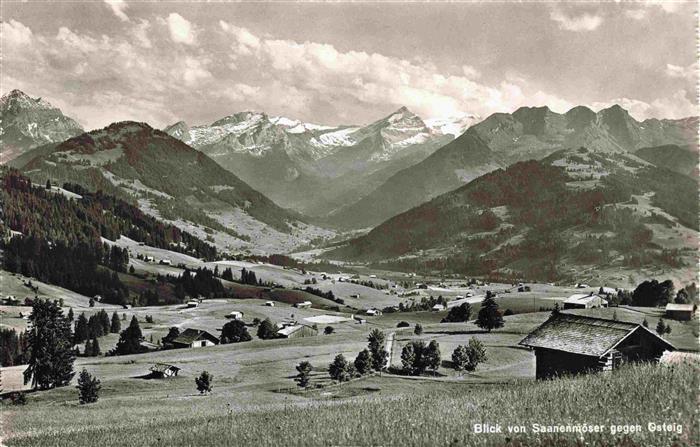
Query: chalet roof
(582,335)
(681,307)
(582,298)
(289,330)
(162,367)
(191,335)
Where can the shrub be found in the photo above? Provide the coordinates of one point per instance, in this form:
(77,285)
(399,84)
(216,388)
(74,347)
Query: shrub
(340,369)
(235,332)
(88,388)
(363,362)
(418,330)
(328,330)
(403,324)
(204,382)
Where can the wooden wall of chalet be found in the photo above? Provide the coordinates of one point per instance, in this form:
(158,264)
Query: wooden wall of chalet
(640,346)
(305,331)
(552,363)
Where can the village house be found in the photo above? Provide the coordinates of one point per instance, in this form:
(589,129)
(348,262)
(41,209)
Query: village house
(193,303)
(374,312)
(585,301)
(573,344)
(195,338)
(438,308)
(358,319)
(235,315)
(296,331)
(681,312)
(164,370)
(270,303)
(303,305)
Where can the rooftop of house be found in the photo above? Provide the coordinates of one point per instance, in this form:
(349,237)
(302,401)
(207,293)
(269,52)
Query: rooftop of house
(189,336)
(583,335)
(682,307)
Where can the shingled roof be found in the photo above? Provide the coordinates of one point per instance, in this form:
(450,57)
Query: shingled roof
(582,335)
(189,336)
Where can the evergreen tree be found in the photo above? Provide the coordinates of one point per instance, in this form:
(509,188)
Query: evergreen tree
(173,333)
(304,371)
(70,315)
(104,320)
(477,353)
(661,327)
(267,329)
(614,315)
(338,370)
(132,270)
(204,382)
(88,388)
(376,342)
(460,358)
(87,352)
(363,362)
(81,329)
(48,184)
(431,356)
(328,330)
(235,331)
(410,358)
(556,311)
(50,344)
(458,314)
(489,316)
(95,348)
(130,340)
(645,323)
(418,330)
(115,325)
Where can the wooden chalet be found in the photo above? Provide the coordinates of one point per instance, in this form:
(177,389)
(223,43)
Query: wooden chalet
(164,370)
(681,312)
(573,344)
(194,338)
(297,331)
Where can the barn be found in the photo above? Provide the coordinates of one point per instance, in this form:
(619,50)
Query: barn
(585,301)
(195,338)
(164,370)
(574,344)
(297,331)
(682,312)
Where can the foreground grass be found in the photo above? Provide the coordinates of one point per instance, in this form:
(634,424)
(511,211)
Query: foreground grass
(633,395)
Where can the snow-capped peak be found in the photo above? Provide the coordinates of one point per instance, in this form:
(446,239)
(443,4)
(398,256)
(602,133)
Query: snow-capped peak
(20,100)
(452,125)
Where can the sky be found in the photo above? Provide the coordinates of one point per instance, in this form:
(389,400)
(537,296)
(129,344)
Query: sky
(347,63)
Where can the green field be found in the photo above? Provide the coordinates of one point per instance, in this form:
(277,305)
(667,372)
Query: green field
(373,411)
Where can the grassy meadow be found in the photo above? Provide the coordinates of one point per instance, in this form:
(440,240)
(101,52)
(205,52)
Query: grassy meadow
(374,414)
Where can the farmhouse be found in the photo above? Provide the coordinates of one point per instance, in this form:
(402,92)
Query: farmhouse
(195,338)
(374,312)
(573,344)
(192,303)
(438,308)
(585,301)
(358,319)
(270,303)
(235,315)
(684,312)
(303,305)
(297,331)
(164,370)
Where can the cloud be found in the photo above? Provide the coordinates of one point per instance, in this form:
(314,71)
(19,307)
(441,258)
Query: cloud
(118,7)
(240,92)
(584,22)
(471,72)
(636,14)
(245,41)
(15,33)
(676,71)
(140,32)
(181,30)
(194,70)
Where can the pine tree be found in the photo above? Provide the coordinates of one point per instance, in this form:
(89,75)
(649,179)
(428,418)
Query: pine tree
(661,327)
(104,320)
(48,184)
(409,358)
(303,377)
(267,329)
(87,352)
(88,388)
(204,382)
(460,358)
(70,315)
(645,323)
(338,370)
(375,344)
(363,362)
(130,339)
(115,325)
(418,330)
(431,356)
(50,344)
(489,316)
(95,348)
(81,329)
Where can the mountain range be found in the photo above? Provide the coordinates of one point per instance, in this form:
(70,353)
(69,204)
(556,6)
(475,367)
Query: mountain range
(27,122)
(172,181)
(503,139)
(314,168)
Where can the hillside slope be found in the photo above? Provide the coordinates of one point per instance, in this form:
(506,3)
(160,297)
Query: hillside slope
(540,219)
(170,180)
(673,157)
(529,133)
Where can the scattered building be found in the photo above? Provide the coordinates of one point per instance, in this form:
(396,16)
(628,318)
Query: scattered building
(585,301)
(192,303)
(374,312)
(303,305)
(195,338)
(165,262)
(682,312)
(235,315)
(297,331)
(355,295)
(358,319)
(438,308)
(270,303)
(573,344)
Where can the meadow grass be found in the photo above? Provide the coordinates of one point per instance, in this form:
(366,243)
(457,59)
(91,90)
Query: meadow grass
(431,414)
